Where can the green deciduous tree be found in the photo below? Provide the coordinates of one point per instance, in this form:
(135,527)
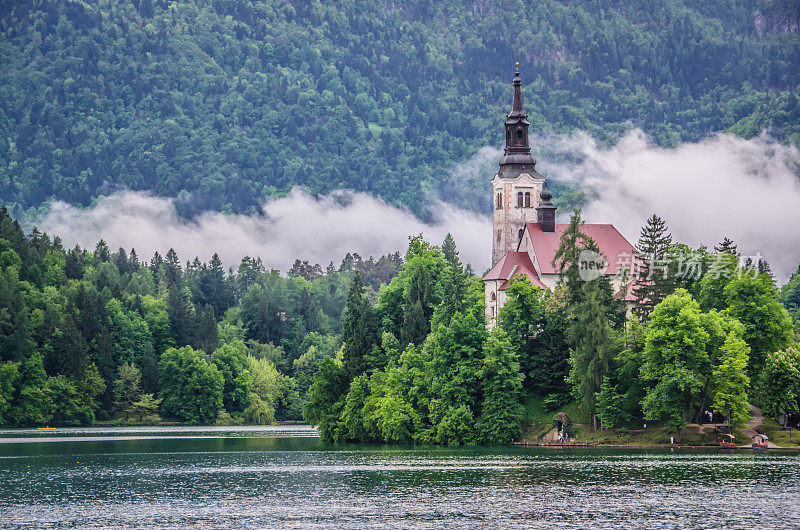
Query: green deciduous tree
(191,385)
(780,383)
(231,360)
(127,387)
(675,358)
(325,401)
(731,383)
(767,326)
(501,410)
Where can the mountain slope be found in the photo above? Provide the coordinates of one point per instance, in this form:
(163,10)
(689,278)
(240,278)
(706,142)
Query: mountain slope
(220,103)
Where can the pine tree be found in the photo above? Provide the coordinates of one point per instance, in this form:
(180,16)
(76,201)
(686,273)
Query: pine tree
(592,339)
(653,283)
(102,252)
(454,285)
(181,315)
(726,246)
(173,269)
(567,258)
(417,312)
(359,330)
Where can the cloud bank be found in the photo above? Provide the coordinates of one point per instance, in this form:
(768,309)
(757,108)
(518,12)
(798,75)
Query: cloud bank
(296,226)
(724,186)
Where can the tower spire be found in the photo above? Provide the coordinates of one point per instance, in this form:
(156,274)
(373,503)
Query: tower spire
(516,104)
(517,157)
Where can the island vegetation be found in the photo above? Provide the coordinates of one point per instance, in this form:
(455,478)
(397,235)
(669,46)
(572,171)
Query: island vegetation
(392,350)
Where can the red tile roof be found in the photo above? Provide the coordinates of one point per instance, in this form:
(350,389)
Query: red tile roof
(627,294)
(514,263)
(612,244)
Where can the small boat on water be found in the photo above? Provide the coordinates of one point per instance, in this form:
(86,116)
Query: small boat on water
(728,442)
(760,443)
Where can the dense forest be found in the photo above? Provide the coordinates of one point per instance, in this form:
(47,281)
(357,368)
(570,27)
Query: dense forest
(394,349)
(88,335)
(419,366)
(221,103)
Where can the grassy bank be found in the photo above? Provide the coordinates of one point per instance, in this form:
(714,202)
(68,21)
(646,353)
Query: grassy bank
(539,421)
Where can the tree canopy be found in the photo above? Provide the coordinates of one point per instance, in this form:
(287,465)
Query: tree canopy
(221,104)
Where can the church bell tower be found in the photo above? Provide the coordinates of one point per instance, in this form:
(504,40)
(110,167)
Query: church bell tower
(517,187)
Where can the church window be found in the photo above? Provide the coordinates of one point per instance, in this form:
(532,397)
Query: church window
(494,297)
(519,133)
(527,199)
(499,201)
(521,231)
(519,199)
(492,312)
(498,236)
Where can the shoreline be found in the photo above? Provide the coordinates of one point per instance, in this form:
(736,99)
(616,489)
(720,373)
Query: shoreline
(646,446)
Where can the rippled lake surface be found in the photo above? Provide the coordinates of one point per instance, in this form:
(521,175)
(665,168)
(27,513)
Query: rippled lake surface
(285,477)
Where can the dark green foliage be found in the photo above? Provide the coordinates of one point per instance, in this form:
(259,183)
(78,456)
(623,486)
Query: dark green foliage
(326,397)
(535,323)
(592,345)
(654,281)
(71,327)
(449,387)
(567,258)
(501,412)
(222,103)
(727,246)
(612,405)
(231,361)
(359,329)
(790,298)
(753,301)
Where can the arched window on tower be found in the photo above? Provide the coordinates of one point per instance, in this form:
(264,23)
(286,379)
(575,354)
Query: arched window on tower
(519,133)
(494,297)
(499,200)
(521,231)
(527,199)
(519,199)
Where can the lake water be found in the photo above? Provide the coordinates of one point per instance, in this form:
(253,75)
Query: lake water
(285,477)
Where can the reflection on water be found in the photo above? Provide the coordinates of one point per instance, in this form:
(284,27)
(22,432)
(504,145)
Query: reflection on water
(284,476)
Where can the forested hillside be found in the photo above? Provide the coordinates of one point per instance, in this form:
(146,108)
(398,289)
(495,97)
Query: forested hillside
(94,334)
(220,103)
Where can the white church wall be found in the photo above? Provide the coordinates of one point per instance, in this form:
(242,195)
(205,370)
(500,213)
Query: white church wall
(510,218)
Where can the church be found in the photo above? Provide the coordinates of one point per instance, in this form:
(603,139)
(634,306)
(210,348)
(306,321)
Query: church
(525,234)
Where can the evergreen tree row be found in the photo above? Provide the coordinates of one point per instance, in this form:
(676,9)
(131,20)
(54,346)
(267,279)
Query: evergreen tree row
(101,334)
